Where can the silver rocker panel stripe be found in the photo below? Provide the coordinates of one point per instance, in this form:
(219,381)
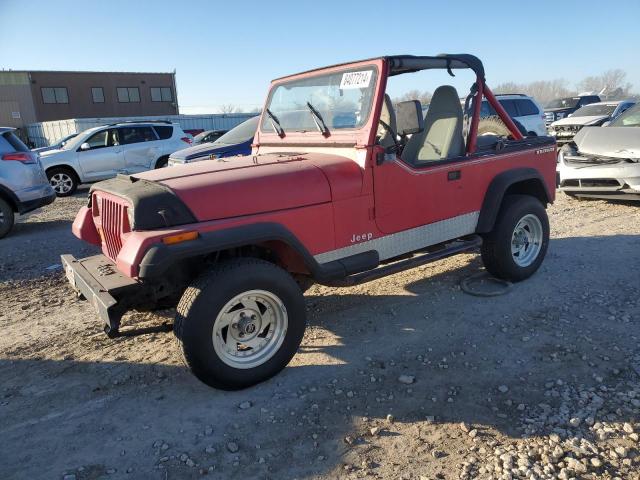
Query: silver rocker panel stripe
(410,240)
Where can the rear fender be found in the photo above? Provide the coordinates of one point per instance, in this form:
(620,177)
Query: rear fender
(524,181)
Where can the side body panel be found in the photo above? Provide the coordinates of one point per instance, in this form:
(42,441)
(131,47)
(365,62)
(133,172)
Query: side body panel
(407,197)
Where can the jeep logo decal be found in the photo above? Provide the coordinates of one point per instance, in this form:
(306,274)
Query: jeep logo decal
(363,237)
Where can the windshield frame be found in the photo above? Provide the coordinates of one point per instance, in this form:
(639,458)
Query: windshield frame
(347,137)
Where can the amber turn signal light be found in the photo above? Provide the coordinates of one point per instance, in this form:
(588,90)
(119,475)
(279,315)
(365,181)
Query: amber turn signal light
(179,238)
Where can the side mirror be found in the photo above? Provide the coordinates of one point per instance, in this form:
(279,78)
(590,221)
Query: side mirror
(409,119)
(85,146)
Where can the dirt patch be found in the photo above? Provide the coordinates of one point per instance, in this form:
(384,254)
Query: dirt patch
(405,377)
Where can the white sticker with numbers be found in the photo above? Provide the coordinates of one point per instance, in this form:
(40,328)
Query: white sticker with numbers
(355,79)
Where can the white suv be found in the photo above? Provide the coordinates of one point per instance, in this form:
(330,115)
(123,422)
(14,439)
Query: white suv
(103,152)
(522,108)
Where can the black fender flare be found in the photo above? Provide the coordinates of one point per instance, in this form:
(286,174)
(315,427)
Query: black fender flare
(498,188)
(160,257)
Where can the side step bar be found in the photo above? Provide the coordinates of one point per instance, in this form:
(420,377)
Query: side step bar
(449,249)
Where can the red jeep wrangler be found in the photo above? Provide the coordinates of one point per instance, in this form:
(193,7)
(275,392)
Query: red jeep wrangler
(342,187)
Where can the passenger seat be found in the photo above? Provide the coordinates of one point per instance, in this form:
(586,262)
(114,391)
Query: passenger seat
(388,116)
(442,135)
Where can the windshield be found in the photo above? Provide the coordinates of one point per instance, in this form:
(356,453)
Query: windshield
(342,100)
(569,102)
(595,110)
(64,140)
(630,118)
(240,133)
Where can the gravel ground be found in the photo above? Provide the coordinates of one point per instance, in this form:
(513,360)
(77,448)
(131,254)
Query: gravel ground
(406,377)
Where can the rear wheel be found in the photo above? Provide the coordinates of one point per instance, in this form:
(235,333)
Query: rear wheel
(517,245)
(6,218)
(240,323)
(63,180)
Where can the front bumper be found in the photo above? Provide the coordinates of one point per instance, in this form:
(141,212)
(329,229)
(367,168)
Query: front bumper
(98,280)
(600,180)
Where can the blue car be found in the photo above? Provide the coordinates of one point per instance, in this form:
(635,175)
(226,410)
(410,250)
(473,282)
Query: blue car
(236,141)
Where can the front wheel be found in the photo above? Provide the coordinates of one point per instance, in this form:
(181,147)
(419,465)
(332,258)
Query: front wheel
(63,180)
(517,245)
(240,323)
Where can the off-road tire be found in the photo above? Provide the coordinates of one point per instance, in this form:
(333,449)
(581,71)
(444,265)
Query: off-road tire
(162,162)
(6,218)
(207,296)
(68,173)
(496,245)
(493,125)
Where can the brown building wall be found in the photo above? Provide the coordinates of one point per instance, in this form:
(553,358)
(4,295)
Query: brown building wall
(80,99)
(16,105)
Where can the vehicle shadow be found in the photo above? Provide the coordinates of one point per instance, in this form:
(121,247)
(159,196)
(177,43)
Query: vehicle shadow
(459,349)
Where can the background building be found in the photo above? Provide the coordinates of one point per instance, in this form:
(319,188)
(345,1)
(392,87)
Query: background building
(28,97)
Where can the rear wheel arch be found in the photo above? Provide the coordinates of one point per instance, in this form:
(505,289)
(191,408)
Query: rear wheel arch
(9,197)
(521,181)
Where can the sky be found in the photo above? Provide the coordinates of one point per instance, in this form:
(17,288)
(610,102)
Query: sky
(227,52)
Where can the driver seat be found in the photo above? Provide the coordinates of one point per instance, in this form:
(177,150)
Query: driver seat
(442,135)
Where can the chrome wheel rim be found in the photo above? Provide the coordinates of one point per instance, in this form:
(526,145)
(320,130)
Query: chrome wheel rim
(526,240)
(250,329)
(61,182)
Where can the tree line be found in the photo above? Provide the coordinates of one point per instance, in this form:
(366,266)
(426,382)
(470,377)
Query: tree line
(613,84)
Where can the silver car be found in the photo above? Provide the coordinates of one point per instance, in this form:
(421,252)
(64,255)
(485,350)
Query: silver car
(23,183)
(103,152)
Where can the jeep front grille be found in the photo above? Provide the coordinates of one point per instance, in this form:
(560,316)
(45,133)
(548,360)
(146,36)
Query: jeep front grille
(112,221)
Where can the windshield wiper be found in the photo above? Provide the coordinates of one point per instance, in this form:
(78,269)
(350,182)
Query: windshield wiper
(317,119)
(275,123)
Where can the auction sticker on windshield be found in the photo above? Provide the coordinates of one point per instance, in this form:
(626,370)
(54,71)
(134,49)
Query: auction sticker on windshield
(355,79)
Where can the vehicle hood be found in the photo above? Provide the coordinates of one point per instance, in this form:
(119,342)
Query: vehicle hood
(617,142)
(587,120)
(232,187)
(51,151)
(561,109)
(204,150)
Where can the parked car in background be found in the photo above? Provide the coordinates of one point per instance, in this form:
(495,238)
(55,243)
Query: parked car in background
(522,108)
(208,136)
(57,145)
(23,183)
(236,141)
(103,152)
(592,115)
(603,161)
(562,107)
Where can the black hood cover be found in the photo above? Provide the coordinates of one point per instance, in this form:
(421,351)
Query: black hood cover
(154,205)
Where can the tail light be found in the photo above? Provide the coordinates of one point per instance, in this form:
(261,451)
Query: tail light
(28,158)
(186,140)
